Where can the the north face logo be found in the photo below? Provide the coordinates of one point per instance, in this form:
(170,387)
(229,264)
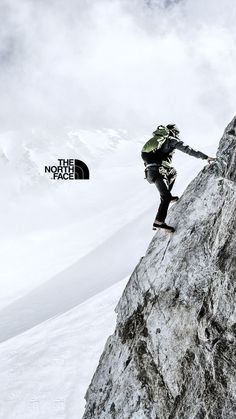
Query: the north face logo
(69,169)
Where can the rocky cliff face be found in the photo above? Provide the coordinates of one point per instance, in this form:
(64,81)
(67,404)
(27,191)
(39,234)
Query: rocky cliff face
(173,353)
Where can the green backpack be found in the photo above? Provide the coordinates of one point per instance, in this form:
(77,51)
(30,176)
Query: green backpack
(159,137)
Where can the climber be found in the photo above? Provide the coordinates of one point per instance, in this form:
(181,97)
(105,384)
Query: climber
(157,154)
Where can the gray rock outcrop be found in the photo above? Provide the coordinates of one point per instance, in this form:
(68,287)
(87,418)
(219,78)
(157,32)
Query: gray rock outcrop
(173,352)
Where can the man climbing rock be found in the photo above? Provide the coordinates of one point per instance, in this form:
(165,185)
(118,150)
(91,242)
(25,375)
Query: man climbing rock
(157,154)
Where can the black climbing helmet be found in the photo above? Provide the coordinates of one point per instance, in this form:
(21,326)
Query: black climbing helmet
(173,129)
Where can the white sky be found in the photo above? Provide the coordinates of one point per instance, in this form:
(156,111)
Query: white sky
(123,64)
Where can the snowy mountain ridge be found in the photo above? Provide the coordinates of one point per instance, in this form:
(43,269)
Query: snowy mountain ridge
(24,154)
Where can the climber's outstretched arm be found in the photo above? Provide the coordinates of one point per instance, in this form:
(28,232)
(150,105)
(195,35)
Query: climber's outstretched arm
(188,150)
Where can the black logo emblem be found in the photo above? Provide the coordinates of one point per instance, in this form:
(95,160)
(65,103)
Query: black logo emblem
(81,170)
(68,169)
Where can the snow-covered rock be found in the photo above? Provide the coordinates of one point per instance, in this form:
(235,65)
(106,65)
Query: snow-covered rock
(172,354)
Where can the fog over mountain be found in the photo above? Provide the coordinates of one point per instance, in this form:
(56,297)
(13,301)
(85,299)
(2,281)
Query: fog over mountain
(122,64)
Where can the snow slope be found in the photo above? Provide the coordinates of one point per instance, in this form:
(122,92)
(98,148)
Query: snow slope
(104,266)
(44,372)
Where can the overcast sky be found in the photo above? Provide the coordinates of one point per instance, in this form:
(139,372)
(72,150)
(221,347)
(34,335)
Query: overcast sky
(117,63)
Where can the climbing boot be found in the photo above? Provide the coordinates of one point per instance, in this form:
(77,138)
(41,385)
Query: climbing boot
(174,199)
(164,226)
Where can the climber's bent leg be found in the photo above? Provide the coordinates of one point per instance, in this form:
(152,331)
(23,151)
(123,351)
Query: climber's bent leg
(165,196)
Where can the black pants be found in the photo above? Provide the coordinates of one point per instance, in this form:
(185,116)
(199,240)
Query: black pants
(164,179)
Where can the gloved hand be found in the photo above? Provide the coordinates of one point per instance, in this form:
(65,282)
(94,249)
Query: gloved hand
(211,159)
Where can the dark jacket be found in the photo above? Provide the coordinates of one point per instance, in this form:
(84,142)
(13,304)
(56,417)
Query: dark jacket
(165,153)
